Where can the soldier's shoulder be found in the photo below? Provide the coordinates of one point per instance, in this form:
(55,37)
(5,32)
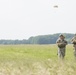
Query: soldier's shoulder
(58,40)
(74,37)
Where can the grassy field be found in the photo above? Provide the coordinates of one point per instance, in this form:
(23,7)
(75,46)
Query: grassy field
(35,60)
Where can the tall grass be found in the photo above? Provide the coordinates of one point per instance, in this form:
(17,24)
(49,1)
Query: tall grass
(35,60)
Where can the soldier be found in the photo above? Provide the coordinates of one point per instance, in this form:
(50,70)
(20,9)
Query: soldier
(61,43)
(74,44)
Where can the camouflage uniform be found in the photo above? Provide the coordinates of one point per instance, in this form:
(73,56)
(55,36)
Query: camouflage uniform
(74,45)
(61,51)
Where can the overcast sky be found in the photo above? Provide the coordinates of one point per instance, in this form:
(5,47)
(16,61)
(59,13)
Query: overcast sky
(20,19)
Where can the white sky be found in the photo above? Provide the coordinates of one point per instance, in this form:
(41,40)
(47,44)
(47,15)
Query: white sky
(20,19)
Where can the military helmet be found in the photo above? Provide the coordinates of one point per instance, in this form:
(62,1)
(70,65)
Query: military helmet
(61,35)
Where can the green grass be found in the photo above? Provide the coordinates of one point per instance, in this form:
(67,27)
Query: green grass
(35,60)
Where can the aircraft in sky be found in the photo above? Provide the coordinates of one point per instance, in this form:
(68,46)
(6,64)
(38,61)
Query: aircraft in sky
(55,6)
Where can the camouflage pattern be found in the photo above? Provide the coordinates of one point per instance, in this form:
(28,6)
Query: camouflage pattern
(61,51)
(74,44)
(74,50)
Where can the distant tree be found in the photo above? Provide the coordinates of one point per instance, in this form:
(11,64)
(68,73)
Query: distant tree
(42,39)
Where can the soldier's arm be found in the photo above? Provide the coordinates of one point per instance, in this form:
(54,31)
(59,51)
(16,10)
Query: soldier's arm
(72,40)
(58,42)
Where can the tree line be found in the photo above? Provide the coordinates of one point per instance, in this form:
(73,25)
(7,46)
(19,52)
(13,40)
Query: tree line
(41,39)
